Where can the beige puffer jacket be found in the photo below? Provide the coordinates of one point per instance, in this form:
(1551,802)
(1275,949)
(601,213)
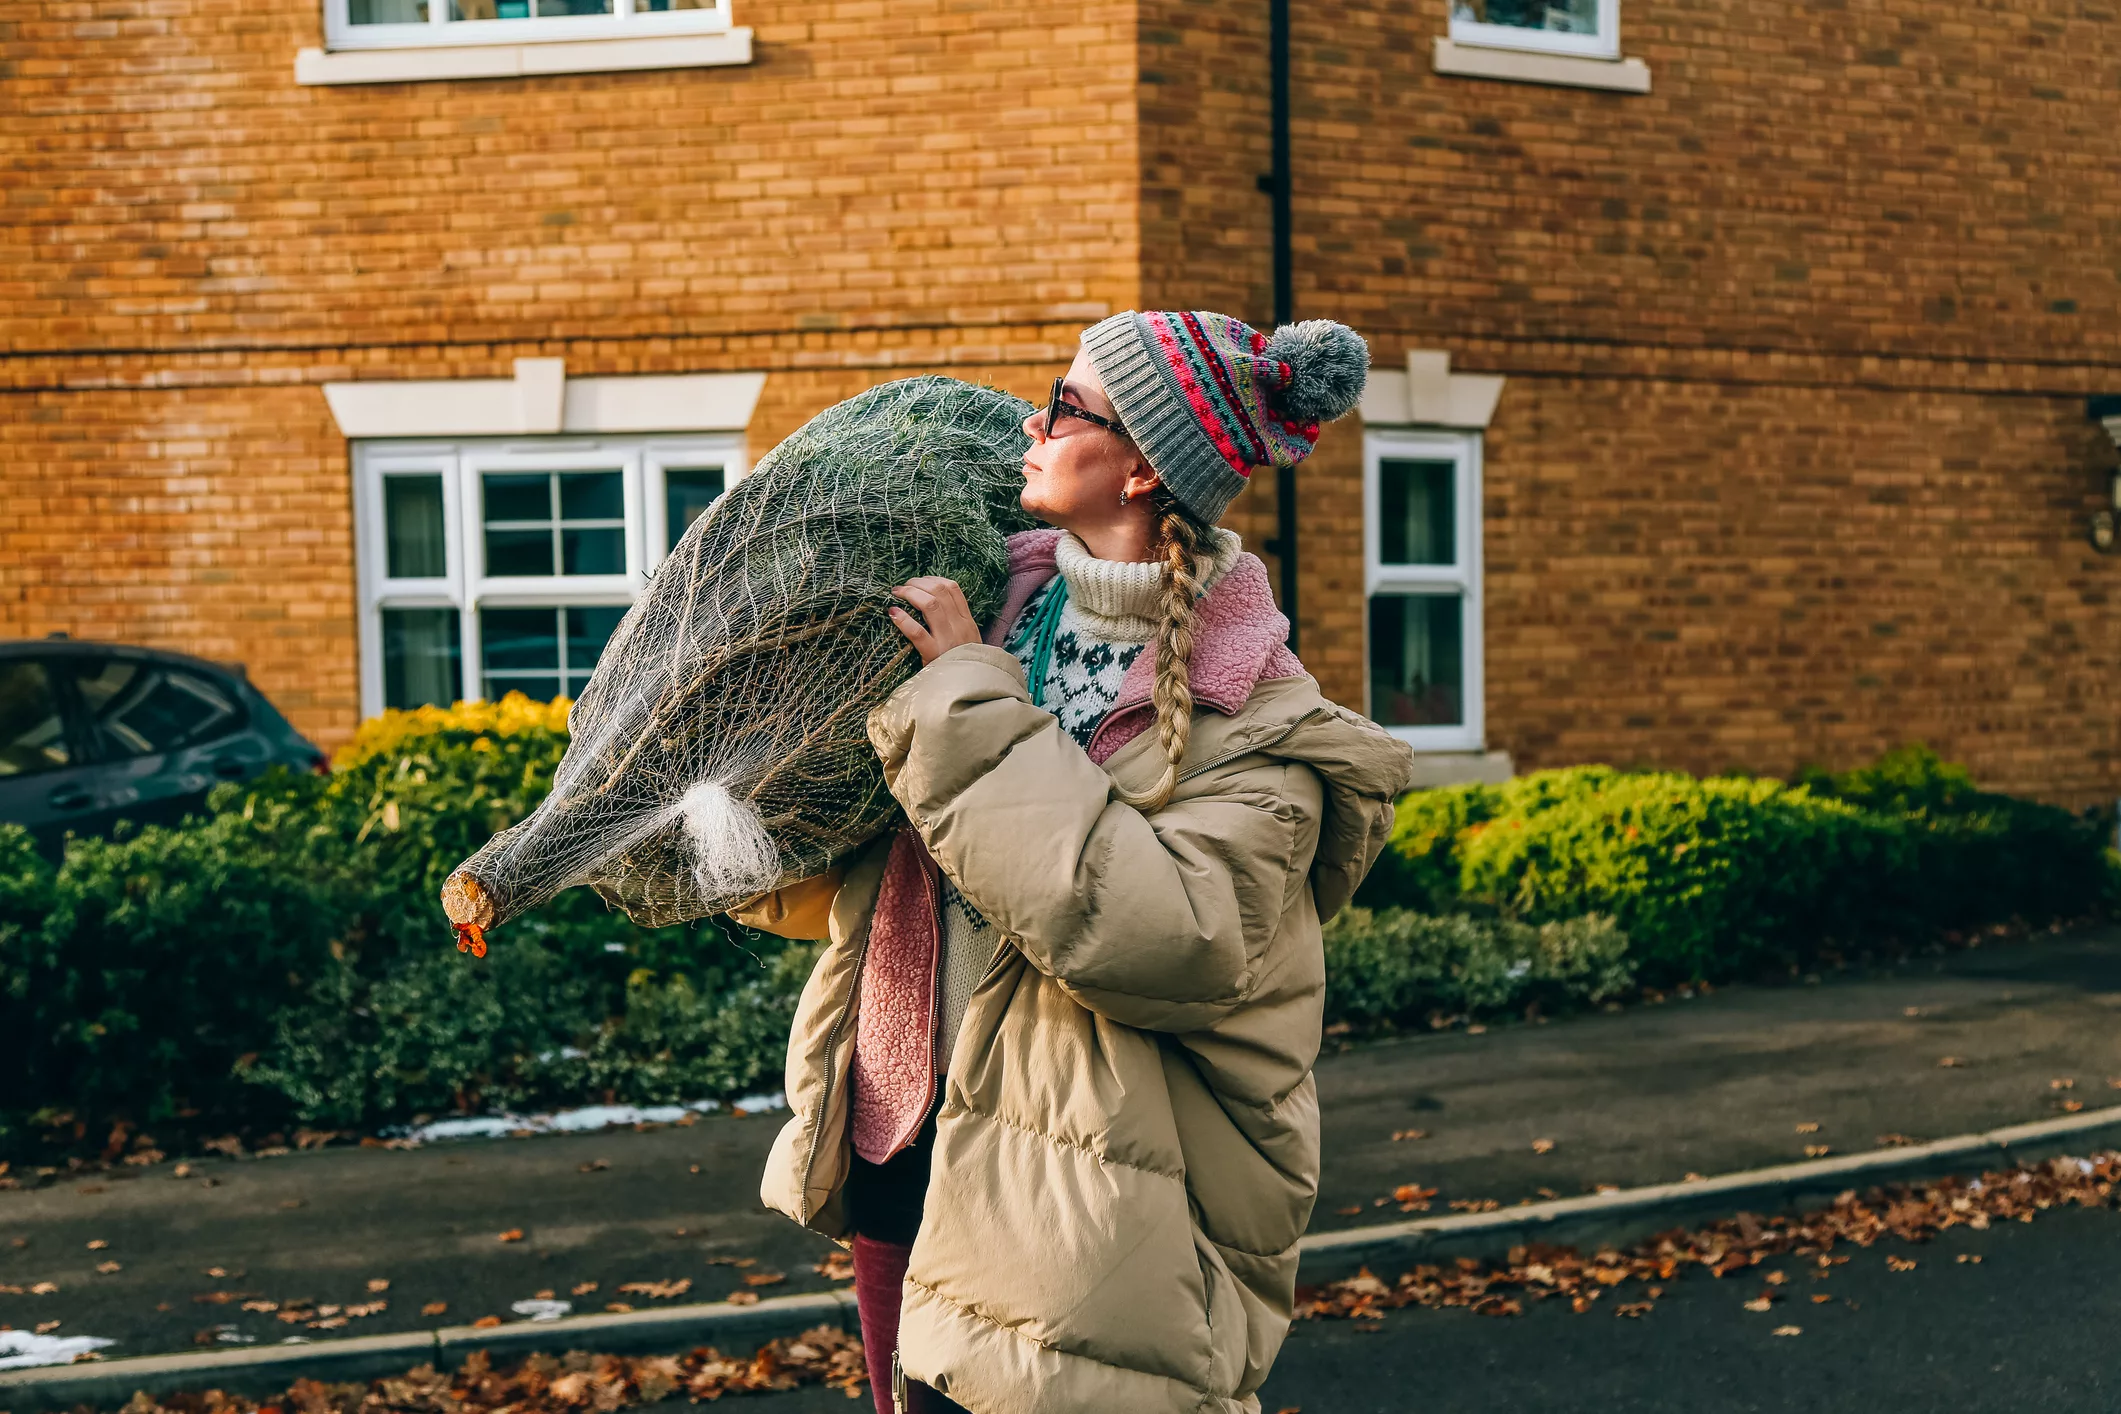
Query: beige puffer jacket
(1127,1149)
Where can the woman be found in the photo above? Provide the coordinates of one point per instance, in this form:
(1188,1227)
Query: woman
(1053,1073)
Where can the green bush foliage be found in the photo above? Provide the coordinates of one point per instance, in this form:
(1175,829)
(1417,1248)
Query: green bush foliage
(1395,967)
(283,960)
(1715,878)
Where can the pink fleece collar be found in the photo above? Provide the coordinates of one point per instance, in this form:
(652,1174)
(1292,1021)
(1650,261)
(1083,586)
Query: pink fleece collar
(1239,640)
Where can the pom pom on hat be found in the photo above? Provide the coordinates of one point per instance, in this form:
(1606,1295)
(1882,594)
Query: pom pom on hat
(1328,364)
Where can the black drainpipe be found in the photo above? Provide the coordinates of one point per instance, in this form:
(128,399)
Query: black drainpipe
(1276,185)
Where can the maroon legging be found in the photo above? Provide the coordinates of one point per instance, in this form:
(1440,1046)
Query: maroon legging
(879,1268)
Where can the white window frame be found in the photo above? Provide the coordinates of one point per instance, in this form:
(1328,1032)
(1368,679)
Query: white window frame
(1463,577)
(1603,45)
(625,22)
(466,588)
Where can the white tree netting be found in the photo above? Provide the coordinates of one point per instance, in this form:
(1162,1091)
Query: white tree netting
(719,749)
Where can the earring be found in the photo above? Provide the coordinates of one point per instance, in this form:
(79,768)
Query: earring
(1123,495)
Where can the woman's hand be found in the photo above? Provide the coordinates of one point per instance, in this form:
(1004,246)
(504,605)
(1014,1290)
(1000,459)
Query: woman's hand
(942,604)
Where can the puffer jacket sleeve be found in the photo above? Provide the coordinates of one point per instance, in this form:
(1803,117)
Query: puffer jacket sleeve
(1153,921)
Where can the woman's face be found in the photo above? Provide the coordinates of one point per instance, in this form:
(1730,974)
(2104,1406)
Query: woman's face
(1074,478)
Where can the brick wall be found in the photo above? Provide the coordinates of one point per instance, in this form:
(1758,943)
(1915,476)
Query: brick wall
(917,164)
(1709,576)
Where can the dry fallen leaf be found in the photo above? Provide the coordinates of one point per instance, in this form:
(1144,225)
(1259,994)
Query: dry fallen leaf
(97,1245)
(2067,1084)
(1789,1330)
(1911,1011)
(1894,1141)
(1810,1126)
(2072,1106)
(1821,1298)
(836,1266)
(262,1307)
(514,1234)
(1542,1146)
(1776,1278)
(379,1283)
(434,1308)
(44,1288)
(1692,1177)
(1354,1211)
(742,1298)
(1760,1303)
(217,1272)
(1399,1134)
(1950,1062)
(108,1268)
(1635,1309)
(47,1327)
(658,1290)
(545,1295)
(619,1306)
(332,1323)
(1817,1151)
(1970,1256)
(763,1279)
(582,1288)
(1899,1264)
(485,1323)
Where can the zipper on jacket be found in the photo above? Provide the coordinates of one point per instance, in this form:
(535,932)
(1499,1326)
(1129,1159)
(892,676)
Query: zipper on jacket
(1249,747)
(832,1041)
(898,1383)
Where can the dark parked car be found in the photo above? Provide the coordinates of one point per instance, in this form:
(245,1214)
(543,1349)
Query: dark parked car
(95,733)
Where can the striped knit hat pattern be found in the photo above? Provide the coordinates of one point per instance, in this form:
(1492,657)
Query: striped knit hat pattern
(1207,398)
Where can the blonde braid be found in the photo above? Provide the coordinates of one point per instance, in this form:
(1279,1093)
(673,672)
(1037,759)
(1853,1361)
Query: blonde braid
(1182,540)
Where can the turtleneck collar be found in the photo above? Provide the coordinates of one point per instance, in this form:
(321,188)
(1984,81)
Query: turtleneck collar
(1121,600)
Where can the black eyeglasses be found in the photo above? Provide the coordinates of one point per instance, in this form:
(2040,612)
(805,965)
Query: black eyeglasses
(1059,407)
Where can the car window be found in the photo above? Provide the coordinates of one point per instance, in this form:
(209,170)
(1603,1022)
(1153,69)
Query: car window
(32,733)
(137,708)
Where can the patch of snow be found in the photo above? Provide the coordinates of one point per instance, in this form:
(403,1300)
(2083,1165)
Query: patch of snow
(542,1310)
(19,1350)
(577,1121)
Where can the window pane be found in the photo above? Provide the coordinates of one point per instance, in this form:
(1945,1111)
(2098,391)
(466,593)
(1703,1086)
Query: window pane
(1559,17)
(412,514)
(32,734)
(1417,513)
(387,12)
(525,9)
(588,630)
(592,495)
(593,551)
(423,657)
(140,708)
(517,496)
(1417,660)
(519,651)
(518,552)
(686,497)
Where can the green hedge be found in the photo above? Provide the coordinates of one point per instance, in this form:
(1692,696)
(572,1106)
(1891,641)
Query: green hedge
(284,960)
(1719,877)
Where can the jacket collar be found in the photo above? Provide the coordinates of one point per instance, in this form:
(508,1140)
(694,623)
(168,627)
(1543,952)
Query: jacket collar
(1239,639)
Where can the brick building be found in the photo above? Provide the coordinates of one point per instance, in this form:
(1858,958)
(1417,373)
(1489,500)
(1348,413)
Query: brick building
(1733,360)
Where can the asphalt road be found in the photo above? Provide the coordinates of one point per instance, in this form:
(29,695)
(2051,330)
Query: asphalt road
(1709,1085)
(2030,1328)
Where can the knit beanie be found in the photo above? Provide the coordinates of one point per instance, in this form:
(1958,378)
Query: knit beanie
(1207,397)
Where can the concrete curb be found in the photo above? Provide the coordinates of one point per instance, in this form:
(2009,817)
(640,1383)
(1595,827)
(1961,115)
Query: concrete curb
(1635,1213)
(262,1370)
(1597,1218)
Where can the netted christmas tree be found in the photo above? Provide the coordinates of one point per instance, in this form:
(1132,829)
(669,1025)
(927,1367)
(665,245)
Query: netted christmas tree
(719,748)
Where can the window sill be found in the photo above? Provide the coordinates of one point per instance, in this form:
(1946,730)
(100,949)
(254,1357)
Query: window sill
(1527,66)
(1461,768)
(506,61)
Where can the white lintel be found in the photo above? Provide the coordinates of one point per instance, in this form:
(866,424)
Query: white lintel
(542,400)
(1429,394)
